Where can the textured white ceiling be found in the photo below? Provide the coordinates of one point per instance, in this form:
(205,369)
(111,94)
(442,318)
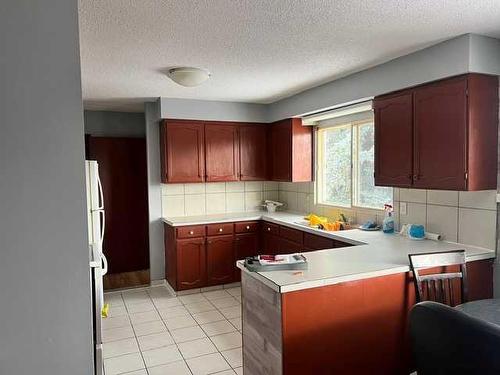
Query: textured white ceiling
(257,50)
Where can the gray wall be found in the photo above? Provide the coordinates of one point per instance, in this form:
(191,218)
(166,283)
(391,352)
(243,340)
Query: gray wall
(156,244)
(439,61)
(213,110)
(114,124)
(45,309)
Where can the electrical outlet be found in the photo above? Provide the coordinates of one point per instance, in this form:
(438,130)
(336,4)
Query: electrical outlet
(403,209)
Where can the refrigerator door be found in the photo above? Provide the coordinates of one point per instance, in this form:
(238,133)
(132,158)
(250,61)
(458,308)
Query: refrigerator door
(97,304)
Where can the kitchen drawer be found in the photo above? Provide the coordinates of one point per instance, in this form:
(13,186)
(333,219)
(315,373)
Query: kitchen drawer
(270,228)
(292,234)
(315,242)
(191,231)
(216,229)
(246,226)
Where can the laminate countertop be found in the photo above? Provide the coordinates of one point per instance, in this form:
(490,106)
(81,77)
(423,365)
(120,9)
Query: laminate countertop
(375,254)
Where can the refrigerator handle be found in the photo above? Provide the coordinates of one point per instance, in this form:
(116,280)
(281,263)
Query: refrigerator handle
(104,264)
(103,226)
(101,194)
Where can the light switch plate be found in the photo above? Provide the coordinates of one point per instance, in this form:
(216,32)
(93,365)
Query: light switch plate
(403,208)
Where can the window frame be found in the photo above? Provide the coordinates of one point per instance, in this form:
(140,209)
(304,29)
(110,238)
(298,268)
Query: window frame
(354,175)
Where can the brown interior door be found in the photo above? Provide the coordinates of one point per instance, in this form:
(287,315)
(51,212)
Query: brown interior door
(440,122)
(221,152)
(184,151)
(281,149)
(253,152)
(394,140)
(191,263)
(220,259)
(123,173)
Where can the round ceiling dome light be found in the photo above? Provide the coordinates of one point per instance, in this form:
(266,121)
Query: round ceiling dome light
(188,77)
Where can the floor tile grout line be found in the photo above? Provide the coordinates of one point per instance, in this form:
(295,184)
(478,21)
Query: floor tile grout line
(175,343)
(137,341)
(190,314)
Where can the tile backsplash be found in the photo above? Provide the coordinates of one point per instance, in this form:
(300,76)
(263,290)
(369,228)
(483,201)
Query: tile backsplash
(215,197)
(465,217)
(461,216)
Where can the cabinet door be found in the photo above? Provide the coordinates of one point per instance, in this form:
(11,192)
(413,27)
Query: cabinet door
(220,260)
(270,243)
(281,148)
(287,246)
(183,156)
(247,245)
(440,121)
(221,152)
(191,263)
(253,152)
(394,140)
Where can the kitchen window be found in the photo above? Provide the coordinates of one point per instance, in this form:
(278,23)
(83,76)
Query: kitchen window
(345,166)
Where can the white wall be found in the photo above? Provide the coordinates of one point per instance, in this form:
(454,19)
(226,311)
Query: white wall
(215,197)
(45,308)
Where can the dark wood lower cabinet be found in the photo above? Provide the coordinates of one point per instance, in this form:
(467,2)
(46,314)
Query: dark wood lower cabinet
(220,260)
(205,255)
(191,263)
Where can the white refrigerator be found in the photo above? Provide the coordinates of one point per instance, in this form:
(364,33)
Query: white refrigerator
(98,263)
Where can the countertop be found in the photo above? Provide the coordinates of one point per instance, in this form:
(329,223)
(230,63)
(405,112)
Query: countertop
(376,253)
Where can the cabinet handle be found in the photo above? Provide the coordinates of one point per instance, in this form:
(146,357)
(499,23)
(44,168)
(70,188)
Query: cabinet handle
(268,229)
(220,229)
(248,227)
(191,232)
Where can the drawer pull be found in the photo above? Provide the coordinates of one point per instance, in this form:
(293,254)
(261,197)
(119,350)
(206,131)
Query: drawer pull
(268,229)
(248,227)
(220,229)
(191,232)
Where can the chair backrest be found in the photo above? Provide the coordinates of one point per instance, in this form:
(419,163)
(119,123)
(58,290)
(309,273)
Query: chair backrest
(449,288)
(447,341)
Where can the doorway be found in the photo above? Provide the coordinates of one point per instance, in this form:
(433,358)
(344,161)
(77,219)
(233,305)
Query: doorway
(123,172)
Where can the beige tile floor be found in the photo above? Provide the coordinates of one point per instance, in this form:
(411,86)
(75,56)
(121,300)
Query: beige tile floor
(150,331)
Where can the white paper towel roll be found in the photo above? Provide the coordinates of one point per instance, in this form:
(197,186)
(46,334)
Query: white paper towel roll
(432,236)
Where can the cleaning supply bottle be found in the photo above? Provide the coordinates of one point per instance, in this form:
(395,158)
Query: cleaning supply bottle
(388,223)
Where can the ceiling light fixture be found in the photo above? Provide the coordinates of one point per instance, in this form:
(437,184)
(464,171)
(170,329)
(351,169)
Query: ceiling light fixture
(187,76)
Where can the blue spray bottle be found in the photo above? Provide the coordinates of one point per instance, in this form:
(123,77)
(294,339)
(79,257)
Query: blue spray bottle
(388,223)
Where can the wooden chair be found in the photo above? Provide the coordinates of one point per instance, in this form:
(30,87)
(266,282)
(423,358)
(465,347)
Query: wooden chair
(440,286)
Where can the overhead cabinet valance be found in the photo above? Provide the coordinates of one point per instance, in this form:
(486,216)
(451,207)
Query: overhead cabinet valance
(441,135)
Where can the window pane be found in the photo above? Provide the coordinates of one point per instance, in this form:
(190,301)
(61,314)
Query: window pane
(368,195)
(336,178)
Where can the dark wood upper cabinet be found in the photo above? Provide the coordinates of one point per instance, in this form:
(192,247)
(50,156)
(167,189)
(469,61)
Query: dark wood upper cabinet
(291,151)
(191,263)
(454,126)
(394,140)
(221,152)
(440,118)
(253,152)
(220,259)
(182,151)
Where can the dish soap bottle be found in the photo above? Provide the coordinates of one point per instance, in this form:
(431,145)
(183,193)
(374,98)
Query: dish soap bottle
(388,223)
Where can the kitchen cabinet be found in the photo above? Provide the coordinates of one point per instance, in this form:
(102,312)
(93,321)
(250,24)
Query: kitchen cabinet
(220,259)
(182,151)
(221,152)
(253,152)
(191,263)
(394,140)
(291,151)
(205,255)
(454,135)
